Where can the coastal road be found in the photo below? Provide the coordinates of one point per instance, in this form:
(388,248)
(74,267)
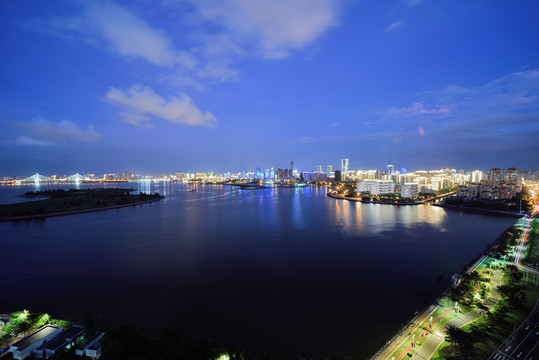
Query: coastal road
(521,247)
(523,344)
(429,347)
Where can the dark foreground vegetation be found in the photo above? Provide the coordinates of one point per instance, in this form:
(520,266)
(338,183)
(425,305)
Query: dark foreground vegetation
(73,200)
(131,342)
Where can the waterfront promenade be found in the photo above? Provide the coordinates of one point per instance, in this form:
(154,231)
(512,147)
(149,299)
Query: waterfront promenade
(433,342)
(525,338)
(424,317)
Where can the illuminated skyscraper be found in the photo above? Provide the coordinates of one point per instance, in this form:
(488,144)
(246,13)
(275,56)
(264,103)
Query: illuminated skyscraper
(330,169)
(319,168)
(344,164)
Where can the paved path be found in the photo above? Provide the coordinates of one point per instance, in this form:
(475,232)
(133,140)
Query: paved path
(428,348)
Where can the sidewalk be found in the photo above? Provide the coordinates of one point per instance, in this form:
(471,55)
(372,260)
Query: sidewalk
(430,346)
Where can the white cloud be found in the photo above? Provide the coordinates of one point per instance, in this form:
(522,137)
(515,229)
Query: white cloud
(393,26)
(140,104)
(503,106)
(128,35)
(28,141)
(275,27)
(210,35)
(42,132)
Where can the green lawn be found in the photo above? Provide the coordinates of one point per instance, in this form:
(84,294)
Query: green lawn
(485,345)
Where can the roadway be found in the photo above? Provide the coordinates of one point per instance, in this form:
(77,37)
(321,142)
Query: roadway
(523,344)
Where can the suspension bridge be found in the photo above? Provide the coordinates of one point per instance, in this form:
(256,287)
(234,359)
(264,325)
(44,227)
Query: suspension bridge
(38,179)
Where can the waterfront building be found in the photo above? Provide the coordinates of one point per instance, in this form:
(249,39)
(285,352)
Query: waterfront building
(409,190)
(329,170)
(319,168)
(92,348)
(376,187)
(59,342)
(24,347)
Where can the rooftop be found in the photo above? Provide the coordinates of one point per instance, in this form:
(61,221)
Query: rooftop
(36,336)
(62,338)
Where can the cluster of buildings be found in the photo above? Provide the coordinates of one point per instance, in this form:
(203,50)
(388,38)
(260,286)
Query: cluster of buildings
(495,184)
(485,185)
(52,339)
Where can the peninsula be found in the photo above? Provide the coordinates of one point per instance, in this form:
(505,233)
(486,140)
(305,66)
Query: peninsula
(73,201)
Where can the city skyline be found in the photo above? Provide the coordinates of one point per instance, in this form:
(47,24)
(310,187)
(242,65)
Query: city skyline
(216,86)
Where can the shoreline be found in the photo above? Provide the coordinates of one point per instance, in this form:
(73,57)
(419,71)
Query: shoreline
(383,202)
(446,206)
(479,210)
(400,335)
(72,212)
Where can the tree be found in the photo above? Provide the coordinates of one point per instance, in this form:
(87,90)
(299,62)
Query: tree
(483,310)
(460,339)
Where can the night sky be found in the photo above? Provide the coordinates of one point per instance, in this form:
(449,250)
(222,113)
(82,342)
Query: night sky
(229,85)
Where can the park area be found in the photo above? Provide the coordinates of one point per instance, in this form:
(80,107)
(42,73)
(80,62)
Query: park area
(479,313)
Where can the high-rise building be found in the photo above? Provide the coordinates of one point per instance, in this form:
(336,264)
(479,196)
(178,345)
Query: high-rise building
(319,168)
(390,169)
(344,164)
(477,176)
(330,169)
(292,166)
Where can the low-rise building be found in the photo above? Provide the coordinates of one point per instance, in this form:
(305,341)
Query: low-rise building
(59,342)
(92,348)
(376,187)
(23,348)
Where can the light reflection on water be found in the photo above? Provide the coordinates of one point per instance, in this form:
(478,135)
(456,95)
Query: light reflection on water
(242,265)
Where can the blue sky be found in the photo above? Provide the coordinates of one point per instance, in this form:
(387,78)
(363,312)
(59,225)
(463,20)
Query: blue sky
(229,85)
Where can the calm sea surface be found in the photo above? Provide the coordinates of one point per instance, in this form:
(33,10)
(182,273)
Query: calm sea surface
(286,271)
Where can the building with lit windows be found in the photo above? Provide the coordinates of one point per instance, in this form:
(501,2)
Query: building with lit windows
(409,190)
(376,187)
